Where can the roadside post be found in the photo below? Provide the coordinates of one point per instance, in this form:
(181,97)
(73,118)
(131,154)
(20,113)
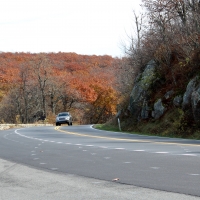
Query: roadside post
(119,124)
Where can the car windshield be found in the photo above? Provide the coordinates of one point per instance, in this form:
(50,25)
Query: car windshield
(63,114)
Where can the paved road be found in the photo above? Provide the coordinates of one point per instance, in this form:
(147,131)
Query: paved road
(151,162)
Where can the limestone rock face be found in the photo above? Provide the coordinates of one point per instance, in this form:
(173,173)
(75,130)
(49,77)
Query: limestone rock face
(159,109)
(142,90)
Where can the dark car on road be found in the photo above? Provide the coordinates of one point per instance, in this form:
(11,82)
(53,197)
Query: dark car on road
(64,118)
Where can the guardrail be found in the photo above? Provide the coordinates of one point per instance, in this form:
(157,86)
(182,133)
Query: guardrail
(8,126)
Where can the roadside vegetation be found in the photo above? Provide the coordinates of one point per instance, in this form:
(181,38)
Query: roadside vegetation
(167,32)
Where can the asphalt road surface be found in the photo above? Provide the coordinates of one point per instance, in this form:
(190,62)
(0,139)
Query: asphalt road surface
(164,164)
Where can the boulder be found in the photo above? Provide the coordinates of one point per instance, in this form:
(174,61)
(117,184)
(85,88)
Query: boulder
(159,109)
(188,93)
(191,99)
(195,102)
(169,94)
(178,101)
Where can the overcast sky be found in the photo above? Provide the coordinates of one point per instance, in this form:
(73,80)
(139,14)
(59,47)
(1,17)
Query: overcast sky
(81,26)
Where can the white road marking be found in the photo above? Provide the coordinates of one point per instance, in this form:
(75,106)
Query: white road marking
(155,167)
(33,154)
(194,174)
(139,150)
(107,158)
(162,152)
(127,162)
(93,153)
(78,144)
(54,169)
(42,163)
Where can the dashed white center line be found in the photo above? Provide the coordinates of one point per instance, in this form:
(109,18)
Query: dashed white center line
(162,152)
(93,153)
(68,143)
(189,154)
(51,141)
(194,174)
(103,147)
(78,144)
(59,142)
(54,169)
(119,148)
(107,158)
(139,150)
(42,163)
(127,162)
(33,154)
(155,167)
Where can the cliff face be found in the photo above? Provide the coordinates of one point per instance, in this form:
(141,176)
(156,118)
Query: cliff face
(140,95)
(143,107)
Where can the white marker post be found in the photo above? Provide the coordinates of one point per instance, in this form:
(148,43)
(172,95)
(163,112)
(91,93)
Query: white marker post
(119,124)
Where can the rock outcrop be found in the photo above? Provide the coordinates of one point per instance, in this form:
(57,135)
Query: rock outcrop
(145,85)
(159,109)
(141,92)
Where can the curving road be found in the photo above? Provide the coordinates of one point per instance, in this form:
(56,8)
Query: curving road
(152,162)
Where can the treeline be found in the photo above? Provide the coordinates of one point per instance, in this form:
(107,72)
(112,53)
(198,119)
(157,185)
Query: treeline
(38,86)
(168,32)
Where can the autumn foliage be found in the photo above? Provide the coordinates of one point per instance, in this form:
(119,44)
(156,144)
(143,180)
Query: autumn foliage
(38,86)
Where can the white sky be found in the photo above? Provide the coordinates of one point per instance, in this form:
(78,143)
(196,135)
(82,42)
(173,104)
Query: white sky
(84,27)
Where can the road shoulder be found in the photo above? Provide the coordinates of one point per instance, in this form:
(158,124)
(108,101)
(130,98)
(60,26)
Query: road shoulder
(22,182)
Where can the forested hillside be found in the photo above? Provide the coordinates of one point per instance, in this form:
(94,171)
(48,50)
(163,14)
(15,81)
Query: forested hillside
(38,86)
